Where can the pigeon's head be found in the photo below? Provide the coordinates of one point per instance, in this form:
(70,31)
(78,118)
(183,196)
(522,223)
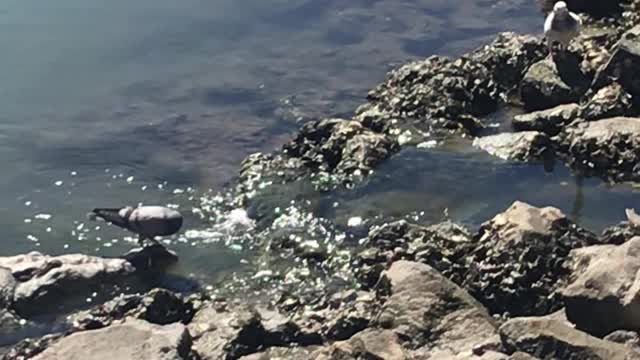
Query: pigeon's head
(560,7)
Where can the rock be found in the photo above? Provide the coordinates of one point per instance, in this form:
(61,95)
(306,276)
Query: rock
(162,307)
(608,148)
(629,338)
(28,348)
(550,339)
(14,329)
(548,84)
(7,287)
(219,333)
(430,314)
(133,339)
(619,233)
(151,258)
(601,296)
(282,353)
(523,146)
(105,314)
(350,316)
(593,8)
(46,282)
(549,121)
(608,102)
(622,65)
(369,344)
(517,263)
(283,330)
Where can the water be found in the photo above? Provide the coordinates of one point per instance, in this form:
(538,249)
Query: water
(104,104)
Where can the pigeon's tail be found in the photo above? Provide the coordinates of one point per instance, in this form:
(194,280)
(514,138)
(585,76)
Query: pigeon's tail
(109,215)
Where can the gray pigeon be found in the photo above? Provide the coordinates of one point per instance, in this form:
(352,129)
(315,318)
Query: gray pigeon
(561,26)
(146,221)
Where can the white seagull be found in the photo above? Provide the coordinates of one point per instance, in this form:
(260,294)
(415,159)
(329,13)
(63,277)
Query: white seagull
(561,26)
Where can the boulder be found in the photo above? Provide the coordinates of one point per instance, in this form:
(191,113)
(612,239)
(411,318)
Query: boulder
(629,338)
(622,65)
(602,295)
(281,353)
(548,83)
(517,263)
(608,148)
(608,102)
(160,306)
(431,315)
(46,282)
(549,121)
(522,146)
(369,344)
(133,339)
(551,339)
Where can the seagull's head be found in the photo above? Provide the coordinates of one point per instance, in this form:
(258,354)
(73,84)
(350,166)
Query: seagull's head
(560,8)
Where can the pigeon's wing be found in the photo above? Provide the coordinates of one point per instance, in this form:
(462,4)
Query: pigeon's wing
(634,219)
(112,216)
(548,23)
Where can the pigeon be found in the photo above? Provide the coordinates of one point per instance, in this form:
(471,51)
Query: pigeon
(561,26)
(146,221)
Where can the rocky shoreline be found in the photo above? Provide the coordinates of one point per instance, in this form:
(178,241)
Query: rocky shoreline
(528,284)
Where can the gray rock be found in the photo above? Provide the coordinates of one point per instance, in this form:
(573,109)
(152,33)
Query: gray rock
(152,258)
(369,344)
(602,294)
(281,353)
(523,146)
(517,263)
(161,306)
(549,121)
(133,339)
(430,314)
(629,338)
(550,339)
(608,148)
(7,287)
(221,333)
(608,102)
(547,84)
(622,65)
(45,282)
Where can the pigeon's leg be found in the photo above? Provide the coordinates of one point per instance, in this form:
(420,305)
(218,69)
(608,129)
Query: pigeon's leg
(141,240)
(549,48)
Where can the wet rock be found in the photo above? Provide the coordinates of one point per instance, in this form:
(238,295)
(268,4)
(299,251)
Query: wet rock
(28,348)
(162,307)
(620,233)
(105,314)
(608,102)
(548,84)
(133,339)
(594,8)
(549,121)
(629,338)
(220,333)
(522,146)
(283,330)
(430,314)
(151,258)
(351,316)
(602,292)
(44,282)
(608,148)
(369,344)
(622,65)
(13,328)
(550,339)
(7,287)
(517,263)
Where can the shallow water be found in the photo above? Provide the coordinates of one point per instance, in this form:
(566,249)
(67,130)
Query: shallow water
(104,104)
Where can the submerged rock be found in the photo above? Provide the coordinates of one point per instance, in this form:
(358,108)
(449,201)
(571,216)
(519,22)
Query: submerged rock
(608,148)
(523,146)
(517,263)
(133,339)
(550,121)
(552,339)
(602,294)
(432,316)
(45,282)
